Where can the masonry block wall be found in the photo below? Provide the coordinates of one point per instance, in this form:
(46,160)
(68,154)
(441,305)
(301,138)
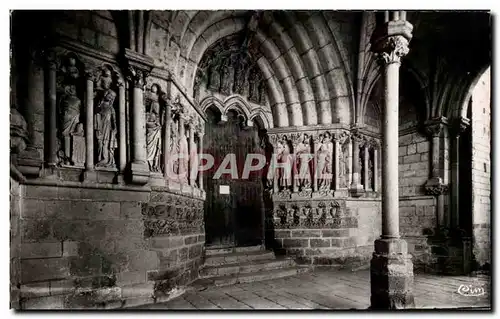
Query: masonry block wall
(481,169)
(15,241)
(314,236)
(94,248)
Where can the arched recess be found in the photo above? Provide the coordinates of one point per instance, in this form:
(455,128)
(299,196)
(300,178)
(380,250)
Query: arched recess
(236,102)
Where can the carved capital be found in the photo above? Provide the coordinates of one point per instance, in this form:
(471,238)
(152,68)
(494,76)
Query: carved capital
(459,125)
(434,128)
(137,77)
(392,49)
(436,190)
(51,59)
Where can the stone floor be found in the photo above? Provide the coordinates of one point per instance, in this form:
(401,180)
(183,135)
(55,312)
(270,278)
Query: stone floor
(329,289)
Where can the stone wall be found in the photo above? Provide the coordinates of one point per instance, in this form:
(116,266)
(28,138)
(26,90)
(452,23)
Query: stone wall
(481,169)
(341,236)
(15,241)
(95,28)
(414,164)
(93,248)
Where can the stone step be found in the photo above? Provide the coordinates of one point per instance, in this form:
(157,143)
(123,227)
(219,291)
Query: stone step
(238,257)
(220,251)
(250,277)
(246,267)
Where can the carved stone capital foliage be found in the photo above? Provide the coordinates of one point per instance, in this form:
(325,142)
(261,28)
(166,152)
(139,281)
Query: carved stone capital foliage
(137,76)
(392,49)
(436,189)
(433,128)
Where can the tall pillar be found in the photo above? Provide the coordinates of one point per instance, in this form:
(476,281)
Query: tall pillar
(89,122)
(391,269)
(458,127)
(375,167)
(435,186)
(139,66)
(315,174)
(336,141)
(356,189)
(349,162)
(122,160)
(192,158)
(52,110)
(366,159)
(166,139)
(200,151)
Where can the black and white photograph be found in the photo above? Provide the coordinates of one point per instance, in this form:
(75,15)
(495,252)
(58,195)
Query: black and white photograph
(226,159)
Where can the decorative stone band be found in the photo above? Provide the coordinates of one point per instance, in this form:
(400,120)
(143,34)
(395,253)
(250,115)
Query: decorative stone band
(436,189)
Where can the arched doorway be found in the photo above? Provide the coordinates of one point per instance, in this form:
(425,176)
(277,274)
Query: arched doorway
(234,205)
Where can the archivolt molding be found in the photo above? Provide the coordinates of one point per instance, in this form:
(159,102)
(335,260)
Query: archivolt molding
(308,84)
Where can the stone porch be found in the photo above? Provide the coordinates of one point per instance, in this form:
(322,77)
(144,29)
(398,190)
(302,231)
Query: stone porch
(328,289)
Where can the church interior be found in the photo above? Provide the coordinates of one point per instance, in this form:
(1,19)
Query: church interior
(396,105)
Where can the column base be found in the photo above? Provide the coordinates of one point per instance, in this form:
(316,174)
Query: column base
(89,175)
(139,173)
(391,275)
(356,190)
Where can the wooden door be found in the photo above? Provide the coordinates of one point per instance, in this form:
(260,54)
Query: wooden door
(233,219)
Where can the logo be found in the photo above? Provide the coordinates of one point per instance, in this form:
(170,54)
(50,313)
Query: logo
(470,290)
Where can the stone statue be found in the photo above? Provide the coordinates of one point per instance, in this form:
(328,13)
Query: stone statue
(18,131)
(240,77)
(153,130)
(78,142)
(302,152)
(324,153)
(344,166)
(226,77)
(105,129)
(253,81)
(370,172)
(214,83)
(282,158)
(70,108)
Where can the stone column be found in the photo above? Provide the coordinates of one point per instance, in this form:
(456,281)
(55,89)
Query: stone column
(391,269)
(458,128)
(356,189)
(192,159)
(122,137)
(89,122)
(435,186)
(138,68)
(166,139)
(349,162)
(315,173)
(366,160)
(138,166)
(375,167)
(200,151)
(52,110)
(336,141)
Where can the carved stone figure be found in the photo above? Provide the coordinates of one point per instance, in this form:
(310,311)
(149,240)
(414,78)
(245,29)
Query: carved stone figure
(70,108)
(282,158)
(324,153)
(153,130)
(78,143)
(214,83)
(240,76)
(105,129)
(226,77)
(370,172)
(302,152)
(18,131)
(344,166)
(253,82)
